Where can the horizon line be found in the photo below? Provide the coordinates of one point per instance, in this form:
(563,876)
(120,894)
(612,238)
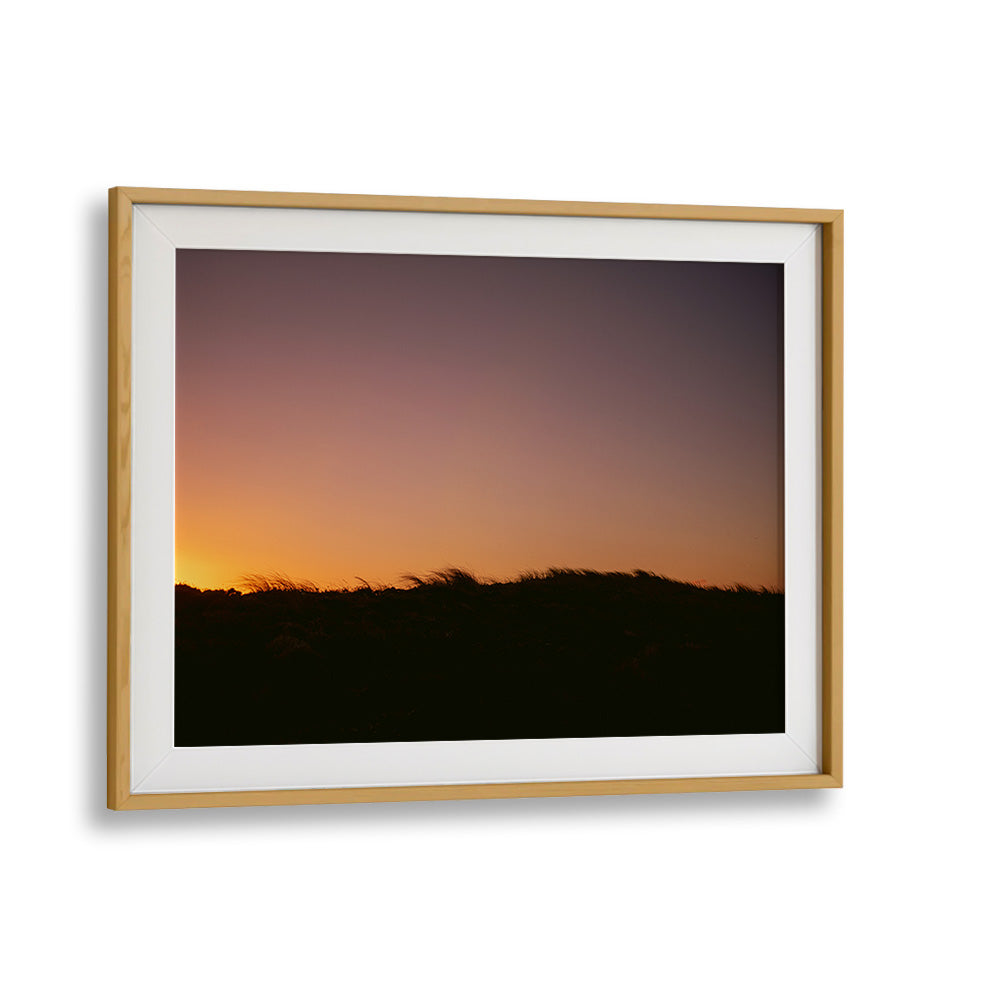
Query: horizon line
(249,583)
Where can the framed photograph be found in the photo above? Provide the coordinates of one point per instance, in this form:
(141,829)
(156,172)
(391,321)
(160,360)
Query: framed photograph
(439,498)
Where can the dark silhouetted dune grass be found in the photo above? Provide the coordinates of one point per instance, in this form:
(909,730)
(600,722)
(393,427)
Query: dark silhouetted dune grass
(447,656)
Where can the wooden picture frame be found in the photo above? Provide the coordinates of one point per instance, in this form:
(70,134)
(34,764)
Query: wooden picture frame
(127,295)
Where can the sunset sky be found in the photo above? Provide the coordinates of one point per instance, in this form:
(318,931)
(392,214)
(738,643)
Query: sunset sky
(367,415)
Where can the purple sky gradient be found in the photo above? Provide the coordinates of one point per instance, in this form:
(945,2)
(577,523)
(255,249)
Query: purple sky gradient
(343,415)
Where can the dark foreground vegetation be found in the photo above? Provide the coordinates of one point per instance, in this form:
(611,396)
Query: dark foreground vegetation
(560,654)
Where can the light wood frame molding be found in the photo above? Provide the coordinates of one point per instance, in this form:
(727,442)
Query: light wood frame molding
(121,201)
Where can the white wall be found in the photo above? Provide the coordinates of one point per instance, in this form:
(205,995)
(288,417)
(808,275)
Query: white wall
(886,888)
